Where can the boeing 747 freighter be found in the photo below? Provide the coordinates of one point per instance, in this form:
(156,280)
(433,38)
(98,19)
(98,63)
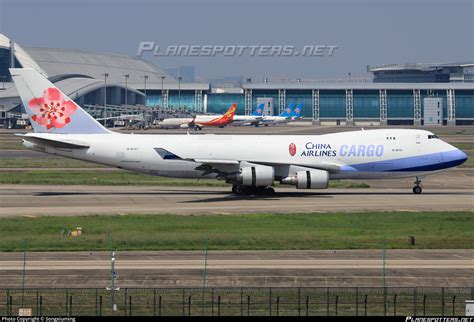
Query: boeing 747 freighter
(251,163)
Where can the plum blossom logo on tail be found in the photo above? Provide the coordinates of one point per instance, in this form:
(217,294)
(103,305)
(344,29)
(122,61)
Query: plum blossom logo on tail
(52,110)
(292,149)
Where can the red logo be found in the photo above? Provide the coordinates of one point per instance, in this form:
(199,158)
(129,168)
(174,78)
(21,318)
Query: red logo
(51,110)
(292,149)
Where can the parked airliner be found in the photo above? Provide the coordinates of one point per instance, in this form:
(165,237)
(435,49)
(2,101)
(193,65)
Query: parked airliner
(288,115)
(253,119)
(200,121)
(251,163)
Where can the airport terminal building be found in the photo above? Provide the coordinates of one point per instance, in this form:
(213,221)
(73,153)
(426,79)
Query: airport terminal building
(428,94)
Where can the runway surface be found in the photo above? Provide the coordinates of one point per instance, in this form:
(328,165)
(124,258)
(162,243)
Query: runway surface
(242,268)
(38,200)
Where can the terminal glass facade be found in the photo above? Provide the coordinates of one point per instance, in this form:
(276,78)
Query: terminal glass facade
(464,104)
(5,64)
(400,104)
(366,104)
(219,103)
(298,97)
(332,104)
(185,100)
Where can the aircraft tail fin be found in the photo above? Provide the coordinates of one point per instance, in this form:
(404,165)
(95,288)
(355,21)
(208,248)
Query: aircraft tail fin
(49,109)
(259,110)
(296,114)
(288,110)
(230,112)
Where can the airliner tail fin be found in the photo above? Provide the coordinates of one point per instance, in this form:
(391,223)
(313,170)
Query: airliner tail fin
(49,109)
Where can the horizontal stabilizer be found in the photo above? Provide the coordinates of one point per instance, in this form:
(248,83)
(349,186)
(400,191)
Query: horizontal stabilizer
(54,143)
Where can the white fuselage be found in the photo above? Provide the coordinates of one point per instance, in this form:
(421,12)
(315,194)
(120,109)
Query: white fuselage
(359,154)
(246,119)
(175,123)
(275,119)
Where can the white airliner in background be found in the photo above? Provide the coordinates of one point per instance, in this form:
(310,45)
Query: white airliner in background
(290,114)
(251,163)
(200,121)
(254,119)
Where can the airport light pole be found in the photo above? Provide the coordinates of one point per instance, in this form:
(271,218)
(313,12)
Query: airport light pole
(23,276)
(113,289)
(126,89)
(113,281)
(105,96)
(145,77)
(112,277)
(179,91)
(162,90)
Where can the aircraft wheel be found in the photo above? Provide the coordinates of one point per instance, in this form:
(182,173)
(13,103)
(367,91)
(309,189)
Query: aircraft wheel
(417,190)
(270,191)
(238,190)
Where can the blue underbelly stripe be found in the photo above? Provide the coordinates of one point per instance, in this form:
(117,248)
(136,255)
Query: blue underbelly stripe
(433,167)
(426,162)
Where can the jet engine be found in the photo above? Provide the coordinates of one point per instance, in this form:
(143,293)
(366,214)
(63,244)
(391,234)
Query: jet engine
(257,176)
(309,179)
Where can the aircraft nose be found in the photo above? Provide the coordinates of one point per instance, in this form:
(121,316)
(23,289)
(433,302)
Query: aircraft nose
(455,157)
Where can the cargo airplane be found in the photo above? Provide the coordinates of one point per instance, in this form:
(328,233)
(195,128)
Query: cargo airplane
(251,163)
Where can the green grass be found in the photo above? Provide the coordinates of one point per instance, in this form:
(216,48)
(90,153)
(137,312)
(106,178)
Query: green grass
(468,148)
(433,230)
(118,177)
(90,177)
(451,130)
(47,162)
(11,144)
(463,145)
(470,160)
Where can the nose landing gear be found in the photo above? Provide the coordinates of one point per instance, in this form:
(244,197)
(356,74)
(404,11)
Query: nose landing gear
(417,189)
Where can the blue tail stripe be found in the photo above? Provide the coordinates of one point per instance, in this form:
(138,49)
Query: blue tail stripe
(259,110)
(288,110)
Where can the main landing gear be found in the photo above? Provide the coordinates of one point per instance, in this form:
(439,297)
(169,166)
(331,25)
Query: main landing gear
(417,189)
(252,190)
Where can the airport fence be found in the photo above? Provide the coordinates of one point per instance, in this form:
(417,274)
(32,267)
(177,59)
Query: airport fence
(302,301)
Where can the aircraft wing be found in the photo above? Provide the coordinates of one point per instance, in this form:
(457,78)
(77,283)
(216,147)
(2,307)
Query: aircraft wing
(234,165)
(55,143)
(220,166)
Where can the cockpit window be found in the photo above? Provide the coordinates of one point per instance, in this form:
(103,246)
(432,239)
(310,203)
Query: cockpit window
(432,136)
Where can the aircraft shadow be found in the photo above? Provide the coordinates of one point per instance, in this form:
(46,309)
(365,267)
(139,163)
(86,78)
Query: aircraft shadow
(128,193)
(276,196)
(229,196)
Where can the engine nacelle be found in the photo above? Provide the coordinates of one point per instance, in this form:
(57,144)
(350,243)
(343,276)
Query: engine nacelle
(309,179)
(257,176)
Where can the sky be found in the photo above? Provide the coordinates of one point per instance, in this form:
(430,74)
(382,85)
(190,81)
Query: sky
(366,32)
